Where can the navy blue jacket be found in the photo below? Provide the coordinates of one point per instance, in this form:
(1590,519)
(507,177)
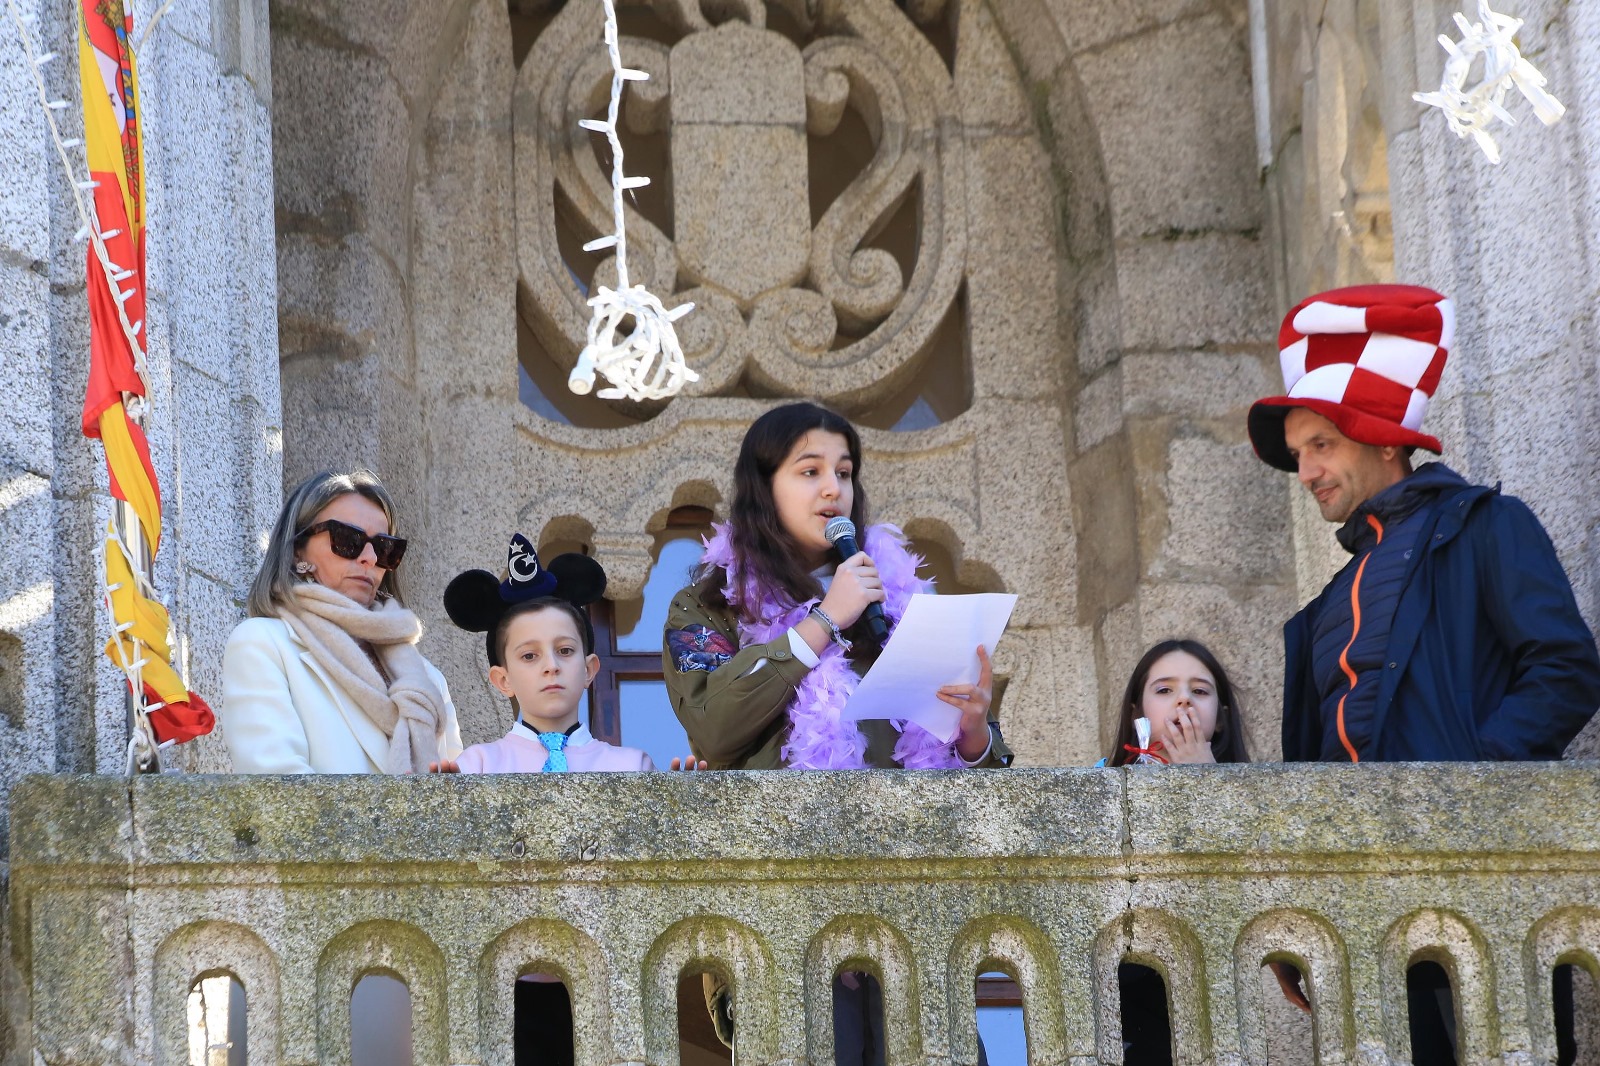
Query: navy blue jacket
(1487,658)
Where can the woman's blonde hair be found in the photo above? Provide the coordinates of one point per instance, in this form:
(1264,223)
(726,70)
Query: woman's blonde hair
(275,581)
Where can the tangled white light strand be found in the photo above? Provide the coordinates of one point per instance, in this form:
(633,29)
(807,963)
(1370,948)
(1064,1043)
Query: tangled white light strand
(1471,110)
(647,363)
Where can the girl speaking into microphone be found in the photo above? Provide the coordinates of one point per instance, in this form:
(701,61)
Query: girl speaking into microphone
(765,647)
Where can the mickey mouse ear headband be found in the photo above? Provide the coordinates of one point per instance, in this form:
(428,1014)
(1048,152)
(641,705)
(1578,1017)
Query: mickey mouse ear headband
(477,600)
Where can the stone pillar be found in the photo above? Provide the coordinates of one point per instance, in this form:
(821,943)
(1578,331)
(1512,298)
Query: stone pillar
(1182,531)
(1323,154)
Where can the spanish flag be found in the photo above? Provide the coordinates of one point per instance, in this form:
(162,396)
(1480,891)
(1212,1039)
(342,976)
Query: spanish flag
(116,354)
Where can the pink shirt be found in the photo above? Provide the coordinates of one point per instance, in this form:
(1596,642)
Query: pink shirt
(519,752)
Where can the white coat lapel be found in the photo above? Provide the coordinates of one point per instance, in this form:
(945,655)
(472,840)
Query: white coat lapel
(367,734)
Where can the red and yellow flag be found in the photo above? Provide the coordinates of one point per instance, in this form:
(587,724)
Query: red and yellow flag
(111,125)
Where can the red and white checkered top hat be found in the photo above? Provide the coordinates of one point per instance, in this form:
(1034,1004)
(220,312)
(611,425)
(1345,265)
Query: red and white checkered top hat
(1366,358)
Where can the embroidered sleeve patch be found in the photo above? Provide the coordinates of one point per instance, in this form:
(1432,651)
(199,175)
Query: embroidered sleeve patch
(698,647)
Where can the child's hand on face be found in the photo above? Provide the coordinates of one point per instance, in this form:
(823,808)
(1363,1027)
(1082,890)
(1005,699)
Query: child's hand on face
(444,766)
(688,763)
(1183,741)
(973,702)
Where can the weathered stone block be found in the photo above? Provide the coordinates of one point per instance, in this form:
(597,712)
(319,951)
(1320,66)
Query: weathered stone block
(1193,292)
(1096,23)
(1197,384)
(1176,133)
(1208,483)
(339,169)
(25,432)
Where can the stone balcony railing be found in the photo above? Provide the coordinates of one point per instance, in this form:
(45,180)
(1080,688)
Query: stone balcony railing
(123,896)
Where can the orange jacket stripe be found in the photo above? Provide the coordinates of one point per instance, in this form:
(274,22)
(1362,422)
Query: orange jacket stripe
(1355,631)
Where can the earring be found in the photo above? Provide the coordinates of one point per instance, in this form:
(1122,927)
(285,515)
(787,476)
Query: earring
(304,569)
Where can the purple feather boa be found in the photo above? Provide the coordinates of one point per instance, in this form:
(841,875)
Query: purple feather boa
(818,740)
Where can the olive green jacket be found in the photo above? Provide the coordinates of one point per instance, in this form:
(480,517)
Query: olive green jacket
(738,720)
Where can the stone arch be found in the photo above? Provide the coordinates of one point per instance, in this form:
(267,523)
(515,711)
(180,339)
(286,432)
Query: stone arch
(868,943)
(1167,945)
(733,952)
(1314,946)
(967,571)
(1022,950)
(1567,935)
(400,950)
(208,949)
(545,945)
(1447,938)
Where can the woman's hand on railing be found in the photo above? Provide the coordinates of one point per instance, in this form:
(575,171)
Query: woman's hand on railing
(973,703)
(444,766)
(688,763)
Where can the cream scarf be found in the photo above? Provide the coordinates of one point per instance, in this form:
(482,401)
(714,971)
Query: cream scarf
(409,709)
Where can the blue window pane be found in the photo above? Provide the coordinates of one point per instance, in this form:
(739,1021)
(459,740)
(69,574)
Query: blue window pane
(642,632)
(1004,1039)
(648,722)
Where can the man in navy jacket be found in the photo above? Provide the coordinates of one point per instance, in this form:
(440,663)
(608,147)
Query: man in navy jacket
(1452,633)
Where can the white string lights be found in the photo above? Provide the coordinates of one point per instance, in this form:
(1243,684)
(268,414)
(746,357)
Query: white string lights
(645,363)
(1470,111)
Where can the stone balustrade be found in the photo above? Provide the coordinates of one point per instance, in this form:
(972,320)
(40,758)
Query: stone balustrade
(122,896)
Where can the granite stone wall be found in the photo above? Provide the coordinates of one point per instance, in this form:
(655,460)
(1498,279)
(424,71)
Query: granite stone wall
(211,322)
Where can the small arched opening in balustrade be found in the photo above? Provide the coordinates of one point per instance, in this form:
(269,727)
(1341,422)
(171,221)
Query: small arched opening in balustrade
(380,1020)
(706,1013)
(1290,1027)
(1575,996)
(1002,1026)
(1431,1011)
(1146,1015)
(860,1034)
(542,1025)
(218,1021)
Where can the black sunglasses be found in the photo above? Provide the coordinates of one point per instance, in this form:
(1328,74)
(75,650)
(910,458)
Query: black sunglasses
(347,542)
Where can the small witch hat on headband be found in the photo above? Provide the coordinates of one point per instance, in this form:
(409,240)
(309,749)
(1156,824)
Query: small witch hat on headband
(477,600)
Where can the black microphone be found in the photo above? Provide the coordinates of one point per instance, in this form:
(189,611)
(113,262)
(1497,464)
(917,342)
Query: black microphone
(841,532)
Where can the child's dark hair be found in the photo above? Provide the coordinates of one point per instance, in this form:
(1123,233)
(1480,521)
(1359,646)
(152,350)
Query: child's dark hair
(1227,743)
(765,550)
(502,630)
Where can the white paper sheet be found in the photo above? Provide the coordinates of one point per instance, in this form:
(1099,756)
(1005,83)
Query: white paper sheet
(935,644)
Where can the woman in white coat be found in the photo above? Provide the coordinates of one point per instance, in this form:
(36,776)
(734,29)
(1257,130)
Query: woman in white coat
(325,676)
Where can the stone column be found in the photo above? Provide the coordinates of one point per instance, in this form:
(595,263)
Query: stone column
(1182,531)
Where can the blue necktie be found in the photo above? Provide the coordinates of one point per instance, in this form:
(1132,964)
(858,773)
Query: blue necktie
(554,743)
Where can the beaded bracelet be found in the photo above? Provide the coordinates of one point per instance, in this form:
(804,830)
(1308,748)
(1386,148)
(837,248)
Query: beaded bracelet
(832,627)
